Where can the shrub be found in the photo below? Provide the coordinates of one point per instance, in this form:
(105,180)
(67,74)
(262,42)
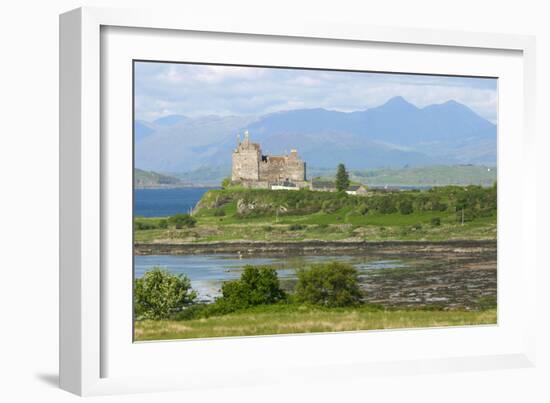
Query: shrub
(257,286)
(226,183)
(144,225)
(387,205)
(219,212)
(159,294)
(439,206)
(296,227)
(363,209)
(436,221)
(406,207)
(182,220)
(330,206)
(464,215)
(163,224)
(332,284)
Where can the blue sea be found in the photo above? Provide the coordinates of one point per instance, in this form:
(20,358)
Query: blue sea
(166,202)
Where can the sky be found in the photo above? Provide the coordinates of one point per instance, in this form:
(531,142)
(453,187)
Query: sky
(192,90)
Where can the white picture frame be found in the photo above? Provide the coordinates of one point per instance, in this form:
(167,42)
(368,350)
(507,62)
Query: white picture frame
(86,345)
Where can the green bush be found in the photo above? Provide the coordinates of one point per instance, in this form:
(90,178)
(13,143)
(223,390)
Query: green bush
(163,224)
(330,206)
(159,294)
(257,286)
(386,205)
(465,215)
(296,227)
(219,212)
(406,207)
(182,220)
(144,225)
(226,183)
(439,206)
(331,284)
(363,209)
(436,221)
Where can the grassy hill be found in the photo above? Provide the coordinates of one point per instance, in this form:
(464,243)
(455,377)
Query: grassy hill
(442,213)
(205,176)
(434,175)
(439,175)
(149,179)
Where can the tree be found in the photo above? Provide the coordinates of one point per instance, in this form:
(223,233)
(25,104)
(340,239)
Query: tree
(257,286)
(159,294)
(332,284)
(182,220)
(342,178)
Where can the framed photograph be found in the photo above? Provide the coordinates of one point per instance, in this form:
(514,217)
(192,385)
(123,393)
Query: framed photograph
(241,203)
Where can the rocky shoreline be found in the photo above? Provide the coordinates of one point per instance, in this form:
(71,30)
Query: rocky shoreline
(455,274)
(404,248)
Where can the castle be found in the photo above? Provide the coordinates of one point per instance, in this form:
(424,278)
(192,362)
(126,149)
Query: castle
(253,169)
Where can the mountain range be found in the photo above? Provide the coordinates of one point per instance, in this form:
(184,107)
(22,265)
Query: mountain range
(395,134)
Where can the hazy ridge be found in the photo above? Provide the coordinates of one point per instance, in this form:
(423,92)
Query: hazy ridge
(393,135)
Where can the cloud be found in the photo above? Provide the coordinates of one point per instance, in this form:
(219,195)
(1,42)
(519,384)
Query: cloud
(194,90)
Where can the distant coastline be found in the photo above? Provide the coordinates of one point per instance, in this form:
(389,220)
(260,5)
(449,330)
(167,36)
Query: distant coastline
(174,186)
(421,177)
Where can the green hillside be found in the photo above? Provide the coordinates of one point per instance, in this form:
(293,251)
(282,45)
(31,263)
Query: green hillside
(439,175)
(435,175)
(150,179)
(442,213)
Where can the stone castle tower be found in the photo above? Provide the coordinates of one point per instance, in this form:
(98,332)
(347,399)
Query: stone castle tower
(253,169)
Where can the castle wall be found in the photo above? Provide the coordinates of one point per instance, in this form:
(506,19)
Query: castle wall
(245,165)
(249,165)
(278,169)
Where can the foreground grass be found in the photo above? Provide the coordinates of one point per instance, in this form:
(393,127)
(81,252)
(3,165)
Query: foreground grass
(281,319)
(380,228)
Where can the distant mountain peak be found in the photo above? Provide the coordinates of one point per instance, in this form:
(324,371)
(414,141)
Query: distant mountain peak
(398,102)
(454,107)
(393,134)
(452,102)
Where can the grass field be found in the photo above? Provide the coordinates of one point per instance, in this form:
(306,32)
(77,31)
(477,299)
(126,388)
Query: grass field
(288,319)
(324,227)
(434,215)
